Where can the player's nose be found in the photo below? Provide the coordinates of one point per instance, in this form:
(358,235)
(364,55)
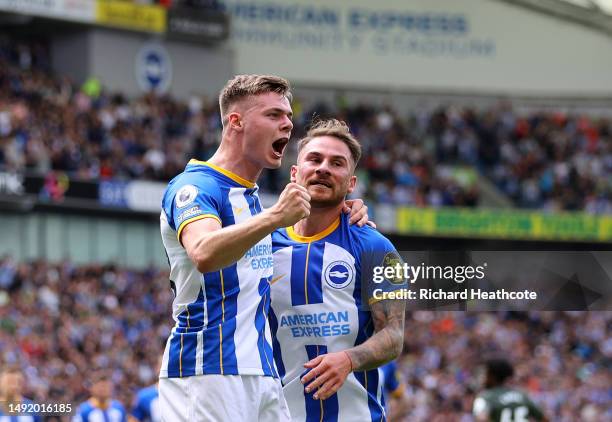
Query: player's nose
(287,124)
(323,167)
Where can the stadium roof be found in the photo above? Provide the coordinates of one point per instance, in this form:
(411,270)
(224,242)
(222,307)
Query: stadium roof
(605,6)
(595,14)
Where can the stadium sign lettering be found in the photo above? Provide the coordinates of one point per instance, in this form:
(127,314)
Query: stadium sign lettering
(136,17)
(325,17)
(418,22)
(197,25)
(504,224)
(280,13)
(344,29)
(76,10)
(112,193)
(568,225)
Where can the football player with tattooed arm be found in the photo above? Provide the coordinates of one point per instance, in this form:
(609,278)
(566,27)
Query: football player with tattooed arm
(218,358)
(327,341)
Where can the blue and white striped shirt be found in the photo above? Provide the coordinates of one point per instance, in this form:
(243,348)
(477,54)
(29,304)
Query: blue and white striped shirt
(221,316)
(317,308)
(90,412)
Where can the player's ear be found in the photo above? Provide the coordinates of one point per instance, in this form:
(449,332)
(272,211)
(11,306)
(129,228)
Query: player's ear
(352,184)
(294,170)
(235,121)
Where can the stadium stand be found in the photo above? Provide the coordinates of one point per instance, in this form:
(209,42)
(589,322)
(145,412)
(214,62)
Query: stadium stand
(60,321)
(542,160)
(92,316)
(560,360)
(104,316)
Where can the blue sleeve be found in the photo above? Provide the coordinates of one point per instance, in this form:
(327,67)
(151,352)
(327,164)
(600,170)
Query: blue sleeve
(137,408)
(382,268)
(192,197)
(379,245)
(392,382)
(80,414)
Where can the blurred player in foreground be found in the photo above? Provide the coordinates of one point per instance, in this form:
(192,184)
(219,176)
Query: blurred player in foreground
(394,392)
(101,406)
(146,405)
(218,362)
(318,316)
(11,393)
(500,403)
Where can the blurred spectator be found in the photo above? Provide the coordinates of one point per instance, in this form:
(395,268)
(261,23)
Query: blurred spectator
(561,359)
(60,320)
(100,406)
(11,395)
(550,161)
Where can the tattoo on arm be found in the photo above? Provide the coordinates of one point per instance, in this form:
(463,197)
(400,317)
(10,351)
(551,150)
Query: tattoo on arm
(388,340)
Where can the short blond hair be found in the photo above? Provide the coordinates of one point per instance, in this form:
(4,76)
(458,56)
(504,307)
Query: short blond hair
(242,86)
(336,128)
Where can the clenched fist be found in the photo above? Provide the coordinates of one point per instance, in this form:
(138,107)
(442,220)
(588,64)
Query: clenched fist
(292,205)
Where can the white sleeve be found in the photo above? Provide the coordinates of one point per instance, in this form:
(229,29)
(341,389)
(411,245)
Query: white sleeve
(480,407)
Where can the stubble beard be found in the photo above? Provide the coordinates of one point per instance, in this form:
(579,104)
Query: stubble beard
(329,202)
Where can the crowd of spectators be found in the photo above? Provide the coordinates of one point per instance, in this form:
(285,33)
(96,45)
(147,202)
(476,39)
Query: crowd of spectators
(62,321)
(561,359)
(542,160)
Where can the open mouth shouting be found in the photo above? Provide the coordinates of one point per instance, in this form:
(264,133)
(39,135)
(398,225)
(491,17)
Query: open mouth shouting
(279,146)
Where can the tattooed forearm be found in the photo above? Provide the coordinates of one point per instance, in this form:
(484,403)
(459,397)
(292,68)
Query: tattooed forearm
(387,342)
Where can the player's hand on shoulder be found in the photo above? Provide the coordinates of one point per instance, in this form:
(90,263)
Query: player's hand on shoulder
(292,205)
(327,374)
(358,212)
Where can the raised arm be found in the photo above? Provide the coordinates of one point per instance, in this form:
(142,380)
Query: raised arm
(212,247)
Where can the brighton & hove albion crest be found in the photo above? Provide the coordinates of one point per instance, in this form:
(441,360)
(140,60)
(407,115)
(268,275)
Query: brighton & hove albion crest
(339,274)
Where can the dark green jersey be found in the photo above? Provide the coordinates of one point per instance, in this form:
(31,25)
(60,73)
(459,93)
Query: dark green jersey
(502,404)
